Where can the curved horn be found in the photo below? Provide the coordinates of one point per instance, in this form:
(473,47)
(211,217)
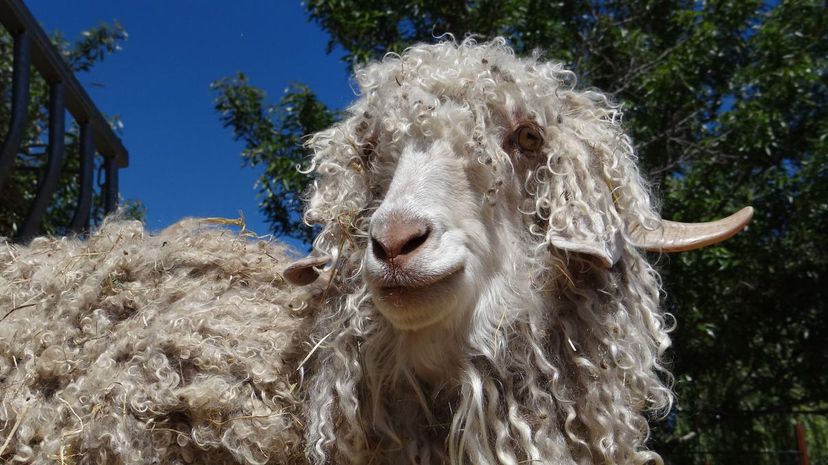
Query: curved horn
(672,236)
(303,271)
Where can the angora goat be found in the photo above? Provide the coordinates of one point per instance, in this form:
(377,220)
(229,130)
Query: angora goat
(481,296)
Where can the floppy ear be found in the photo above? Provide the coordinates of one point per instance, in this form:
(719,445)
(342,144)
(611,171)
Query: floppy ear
(583,219)
(305,271)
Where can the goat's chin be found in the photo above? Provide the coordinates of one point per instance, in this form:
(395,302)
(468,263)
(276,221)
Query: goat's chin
(417,308)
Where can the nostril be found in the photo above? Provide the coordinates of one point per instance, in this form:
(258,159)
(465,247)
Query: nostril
(414,242)
(378,249)
(398,237)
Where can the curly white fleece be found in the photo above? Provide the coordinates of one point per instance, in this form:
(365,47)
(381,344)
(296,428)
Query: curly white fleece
(132,348)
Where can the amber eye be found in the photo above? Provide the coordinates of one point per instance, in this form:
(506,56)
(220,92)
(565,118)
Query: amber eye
(528,137)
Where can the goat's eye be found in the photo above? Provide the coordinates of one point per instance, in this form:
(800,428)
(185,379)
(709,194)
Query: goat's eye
(528,137)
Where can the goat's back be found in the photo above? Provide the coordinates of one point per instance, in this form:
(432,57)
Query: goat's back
(133,348)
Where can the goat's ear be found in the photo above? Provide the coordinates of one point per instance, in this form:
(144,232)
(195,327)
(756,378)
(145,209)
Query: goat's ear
(305,271)
(606,252)
(575,206)
(576,226)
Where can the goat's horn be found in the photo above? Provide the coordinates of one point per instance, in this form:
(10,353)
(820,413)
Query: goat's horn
(672,236)
(304,271)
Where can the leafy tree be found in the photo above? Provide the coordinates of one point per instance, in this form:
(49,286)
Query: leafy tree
(276,145)
(20,188)
(728,104)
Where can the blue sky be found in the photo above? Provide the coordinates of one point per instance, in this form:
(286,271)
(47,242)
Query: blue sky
(182,161)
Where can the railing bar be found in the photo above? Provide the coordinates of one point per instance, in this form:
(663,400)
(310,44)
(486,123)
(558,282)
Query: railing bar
(19,105)
(111,186)
(14,15)
(86,152)
(48,183)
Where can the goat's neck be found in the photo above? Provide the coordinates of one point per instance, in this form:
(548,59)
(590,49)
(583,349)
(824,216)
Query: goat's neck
(433,355)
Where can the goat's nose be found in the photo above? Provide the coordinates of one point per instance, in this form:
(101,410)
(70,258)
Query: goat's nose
(398,236)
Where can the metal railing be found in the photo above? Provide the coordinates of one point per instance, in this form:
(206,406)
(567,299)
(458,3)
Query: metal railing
(32,47)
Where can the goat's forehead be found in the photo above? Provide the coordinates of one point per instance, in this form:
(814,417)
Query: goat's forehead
(419,104)
(492,83)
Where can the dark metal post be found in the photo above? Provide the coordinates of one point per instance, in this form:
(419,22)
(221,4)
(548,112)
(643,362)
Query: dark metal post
(48,183)
(111,187)
(34,49)
(80,221)
(801,444)
(19,105)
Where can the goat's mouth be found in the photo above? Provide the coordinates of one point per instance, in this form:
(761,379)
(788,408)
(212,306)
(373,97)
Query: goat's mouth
(412,301)
(406,280)
(397,293)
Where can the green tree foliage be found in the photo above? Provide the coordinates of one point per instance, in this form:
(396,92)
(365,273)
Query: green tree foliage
(273,138)
(727,102)
(20,189)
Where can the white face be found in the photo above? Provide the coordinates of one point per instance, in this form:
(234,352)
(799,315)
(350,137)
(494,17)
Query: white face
(436,243)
